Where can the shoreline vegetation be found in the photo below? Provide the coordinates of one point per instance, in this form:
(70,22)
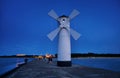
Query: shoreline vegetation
(73,55)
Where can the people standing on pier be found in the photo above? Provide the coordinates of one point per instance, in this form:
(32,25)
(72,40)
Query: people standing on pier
(49,57)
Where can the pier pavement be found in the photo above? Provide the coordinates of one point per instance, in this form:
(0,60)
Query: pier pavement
(42,69)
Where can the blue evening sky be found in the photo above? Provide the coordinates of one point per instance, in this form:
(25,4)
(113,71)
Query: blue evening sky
(24,25)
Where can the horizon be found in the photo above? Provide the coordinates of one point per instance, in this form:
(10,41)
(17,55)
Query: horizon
(24,26)
(71,53)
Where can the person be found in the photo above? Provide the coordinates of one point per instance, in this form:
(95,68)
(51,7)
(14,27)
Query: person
(25,60)
(49,57)
(44,58)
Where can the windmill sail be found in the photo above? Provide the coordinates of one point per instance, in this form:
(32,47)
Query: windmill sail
(74,34)
(53,14)
(53,34)
(74,14)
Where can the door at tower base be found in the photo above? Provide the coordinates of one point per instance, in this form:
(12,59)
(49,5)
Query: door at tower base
(64,63)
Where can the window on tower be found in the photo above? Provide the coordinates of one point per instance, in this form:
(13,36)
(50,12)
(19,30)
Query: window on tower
(63,20)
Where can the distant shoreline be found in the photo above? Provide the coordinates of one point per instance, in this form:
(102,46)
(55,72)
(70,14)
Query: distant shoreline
(73,55)
(93,57)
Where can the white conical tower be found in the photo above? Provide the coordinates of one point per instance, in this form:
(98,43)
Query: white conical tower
(64,30)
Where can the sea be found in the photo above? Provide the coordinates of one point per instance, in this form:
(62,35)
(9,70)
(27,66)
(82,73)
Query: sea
(7,64)
(112,64)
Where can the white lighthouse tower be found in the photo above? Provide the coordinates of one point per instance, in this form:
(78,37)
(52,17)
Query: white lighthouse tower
(64,31)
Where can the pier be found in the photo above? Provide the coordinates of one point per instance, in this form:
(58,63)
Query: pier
(43,69)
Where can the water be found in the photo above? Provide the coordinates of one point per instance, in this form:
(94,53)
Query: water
(7,64)
(104,63)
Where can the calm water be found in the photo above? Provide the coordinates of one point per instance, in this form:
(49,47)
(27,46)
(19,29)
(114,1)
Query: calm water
(104,63)
(7,64)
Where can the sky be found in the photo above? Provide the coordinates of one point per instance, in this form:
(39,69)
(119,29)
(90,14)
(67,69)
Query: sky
(24,25)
